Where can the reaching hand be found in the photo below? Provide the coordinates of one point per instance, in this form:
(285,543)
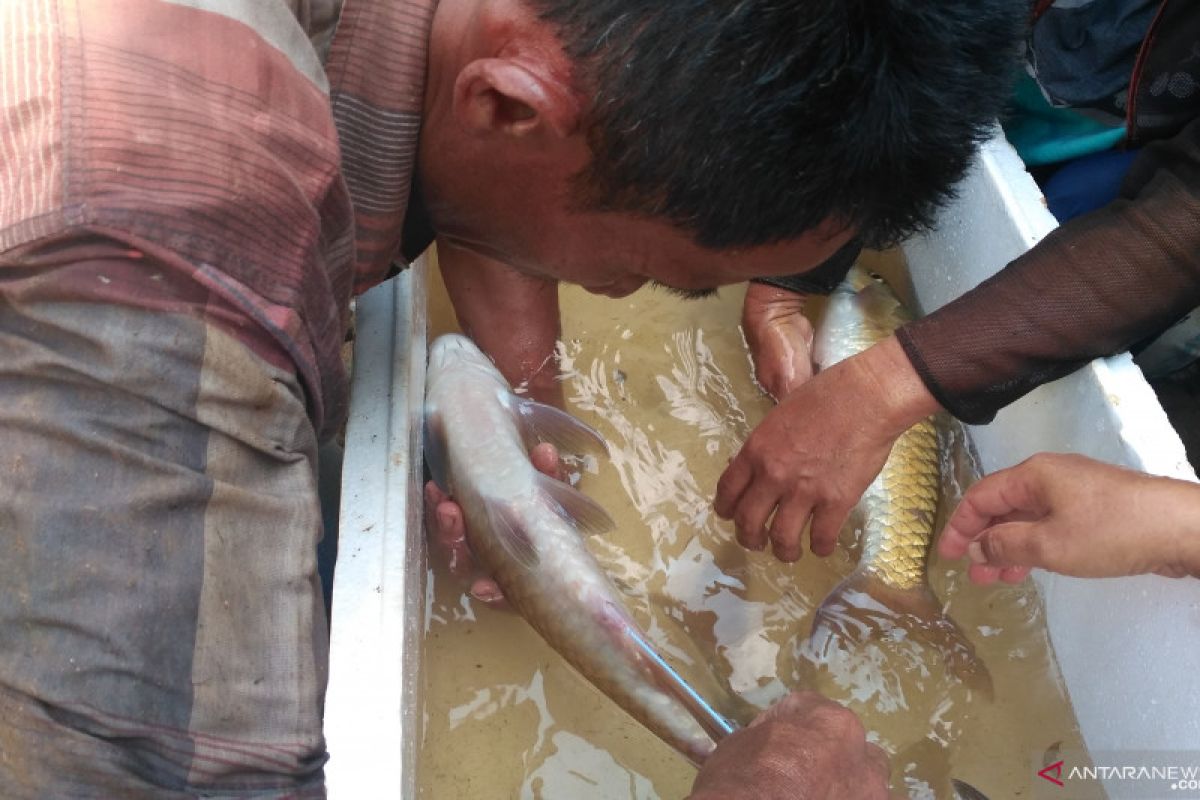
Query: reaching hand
(448,529)
(816,452)
(780,337)
(1076,516)
(514,318)
(804,746)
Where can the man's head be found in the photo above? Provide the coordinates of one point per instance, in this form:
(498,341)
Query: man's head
(723,139)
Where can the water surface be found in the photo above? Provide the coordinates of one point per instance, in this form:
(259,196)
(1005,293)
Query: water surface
(668,383)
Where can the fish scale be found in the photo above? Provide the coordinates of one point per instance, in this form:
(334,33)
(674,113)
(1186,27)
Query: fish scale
(897,512)
(900,511)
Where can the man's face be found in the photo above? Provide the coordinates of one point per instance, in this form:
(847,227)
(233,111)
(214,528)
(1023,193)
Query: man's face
(614,254)
(510,198)
(502,142)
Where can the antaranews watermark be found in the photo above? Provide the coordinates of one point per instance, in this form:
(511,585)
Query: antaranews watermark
(1133,774)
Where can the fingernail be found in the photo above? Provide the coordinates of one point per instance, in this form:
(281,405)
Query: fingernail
(486,596)
(445,518)
(975,553)
(787,555)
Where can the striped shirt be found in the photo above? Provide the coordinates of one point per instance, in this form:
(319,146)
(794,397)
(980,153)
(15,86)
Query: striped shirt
(258,152)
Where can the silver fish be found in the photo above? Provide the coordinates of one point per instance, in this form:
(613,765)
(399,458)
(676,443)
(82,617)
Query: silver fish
(896,514)
(525,530)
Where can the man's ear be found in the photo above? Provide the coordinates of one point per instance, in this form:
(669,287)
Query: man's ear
(499,95)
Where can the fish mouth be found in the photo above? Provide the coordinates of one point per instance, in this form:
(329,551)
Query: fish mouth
(450,346)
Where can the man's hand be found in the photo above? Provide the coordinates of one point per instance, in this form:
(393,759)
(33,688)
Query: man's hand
(1076,516)
(816,452)
(513,318)
(802,747)
(780,337)
(447,527)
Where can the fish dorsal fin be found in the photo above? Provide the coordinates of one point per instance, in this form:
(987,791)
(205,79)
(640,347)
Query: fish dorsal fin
(434,436)
(575,507)
(542,423)
(670,681)
(507,527)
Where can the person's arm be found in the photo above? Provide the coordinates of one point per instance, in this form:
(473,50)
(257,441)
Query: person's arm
(514,318)
(804,746)
(1076,516)
(1094,287)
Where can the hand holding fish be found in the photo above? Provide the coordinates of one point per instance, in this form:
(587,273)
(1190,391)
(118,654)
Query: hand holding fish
(1076,516)
(803,746)
(445,521)
(816,452)
(527,530)
(779,336)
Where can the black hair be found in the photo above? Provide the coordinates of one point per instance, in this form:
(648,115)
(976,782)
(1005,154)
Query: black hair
(749,122)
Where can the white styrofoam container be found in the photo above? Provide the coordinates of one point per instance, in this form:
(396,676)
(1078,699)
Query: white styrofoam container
(372,706)
(1129,649)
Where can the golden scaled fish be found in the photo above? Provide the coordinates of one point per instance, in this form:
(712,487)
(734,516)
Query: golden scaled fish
(526,530)
(889,590)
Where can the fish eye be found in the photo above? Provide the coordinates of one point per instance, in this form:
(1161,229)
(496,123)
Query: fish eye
(875,276)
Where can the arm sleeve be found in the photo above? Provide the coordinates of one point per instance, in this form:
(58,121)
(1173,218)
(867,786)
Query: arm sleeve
(823,278)
(1093,287)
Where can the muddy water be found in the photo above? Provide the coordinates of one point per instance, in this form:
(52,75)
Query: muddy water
(668,382)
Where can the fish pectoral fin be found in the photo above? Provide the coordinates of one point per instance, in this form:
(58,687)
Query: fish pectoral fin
(575,507)
(434,443)
(510,532)
(542,423)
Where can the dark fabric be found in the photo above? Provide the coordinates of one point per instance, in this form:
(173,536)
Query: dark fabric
(1092,288)
(418,231)
(1102,282)
(823,278)
(1166,94)
(329,489)
(1086,184)
(1084,53)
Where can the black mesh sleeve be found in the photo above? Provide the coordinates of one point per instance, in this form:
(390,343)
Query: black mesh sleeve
(1093,287)
(823,278)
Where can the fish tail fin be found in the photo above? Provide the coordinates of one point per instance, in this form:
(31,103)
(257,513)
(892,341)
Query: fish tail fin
(713,722)
(862,608)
